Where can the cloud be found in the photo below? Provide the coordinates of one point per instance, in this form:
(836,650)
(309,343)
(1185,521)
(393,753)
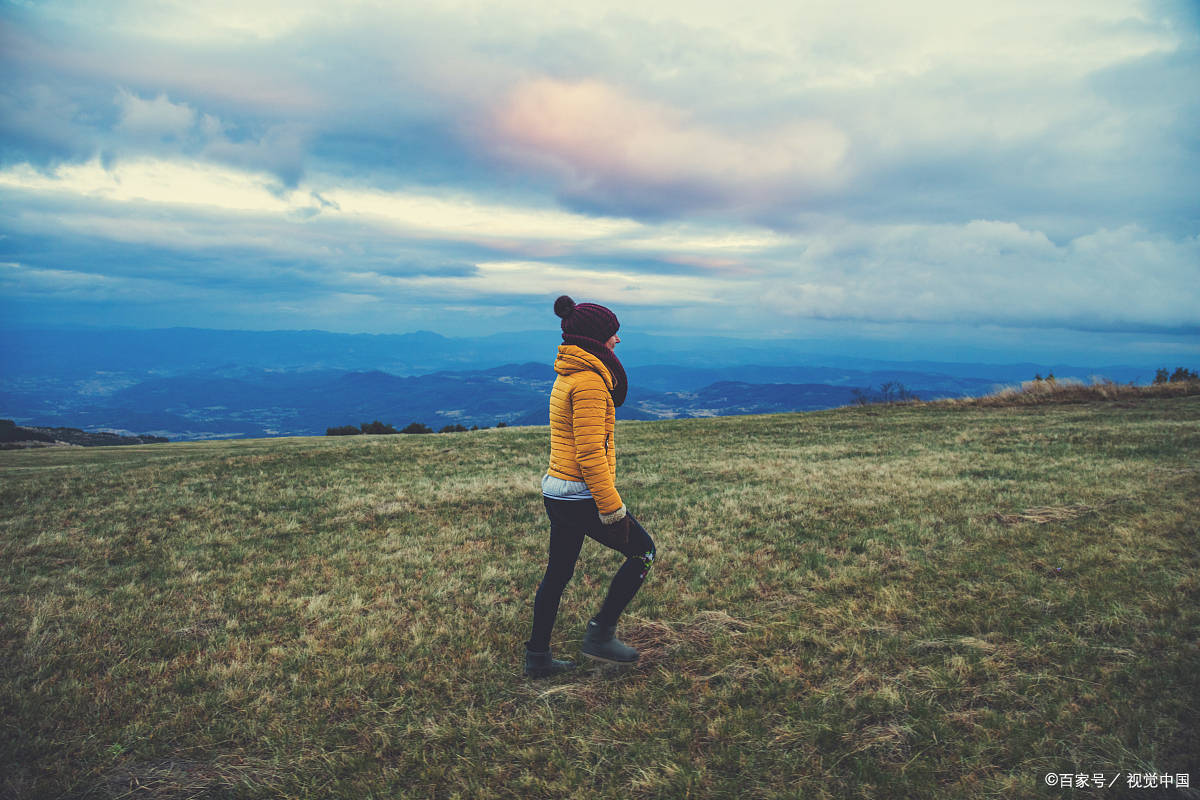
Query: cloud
(654,113)
(233,227)
(1018,164)
(66,285)
(282,149)
(537,279)
(154,119)
(607,148)
(461,216)
(211,208)
(990,272)
(39,123)
(162,182)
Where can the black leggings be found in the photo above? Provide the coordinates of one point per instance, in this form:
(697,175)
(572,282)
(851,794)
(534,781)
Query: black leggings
(570,521)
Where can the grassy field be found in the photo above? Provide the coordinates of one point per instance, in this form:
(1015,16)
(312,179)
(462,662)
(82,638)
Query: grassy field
(879,602)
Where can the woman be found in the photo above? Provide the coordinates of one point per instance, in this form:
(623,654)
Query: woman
(579,488)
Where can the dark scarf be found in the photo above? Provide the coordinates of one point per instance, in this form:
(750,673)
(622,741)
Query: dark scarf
(610,360)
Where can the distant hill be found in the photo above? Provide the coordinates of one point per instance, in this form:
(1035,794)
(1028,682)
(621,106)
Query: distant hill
(726,398)
(79,354)
(13,436)
(255,403)
(184,383)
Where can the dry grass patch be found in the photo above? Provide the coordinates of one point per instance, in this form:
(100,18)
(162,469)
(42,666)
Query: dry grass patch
(1069,390)
(1042,514)
(661,642)
(189,780)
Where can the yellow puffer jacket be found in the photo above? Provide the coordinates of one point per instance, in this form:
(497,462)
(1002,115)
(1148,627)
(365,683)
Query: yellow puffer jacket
(582,424)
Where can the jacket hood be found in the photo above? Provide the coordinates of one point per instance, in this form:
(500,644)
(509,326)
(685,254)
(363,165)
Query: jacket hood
(572,359)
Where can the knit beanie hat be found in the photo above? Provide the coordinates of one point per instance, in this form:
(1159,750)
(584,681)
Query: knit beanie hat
(586,319)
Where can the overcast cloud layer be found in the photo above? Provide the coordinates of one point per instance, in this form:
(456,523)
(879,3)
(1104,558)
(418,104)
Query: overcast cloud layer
(749,169)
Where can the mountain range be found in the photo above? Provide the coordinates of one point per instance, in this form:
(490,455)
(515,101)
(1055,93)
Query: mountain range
(197,384)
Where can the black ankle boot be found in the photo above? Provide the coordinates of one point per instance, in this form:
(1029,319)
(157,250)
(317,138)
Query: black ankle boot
(543,665)
(602,644)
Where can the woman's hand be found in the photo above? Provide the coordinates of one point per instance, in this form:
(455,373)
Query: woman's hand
(618,532)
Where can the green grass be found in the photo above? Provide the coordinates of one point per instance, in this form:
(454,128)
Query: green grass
(910,601)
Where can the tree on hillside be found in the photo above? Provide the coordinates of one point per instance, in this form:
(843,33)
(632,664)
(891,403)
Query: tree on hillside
(1181,374)
(10,431)
(890,392)
(377,427)
(417,427)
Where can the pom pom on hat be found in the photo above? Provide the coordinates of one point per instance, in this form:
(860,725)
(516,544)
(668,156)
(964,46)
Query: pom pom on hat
(564,306)
(586,319)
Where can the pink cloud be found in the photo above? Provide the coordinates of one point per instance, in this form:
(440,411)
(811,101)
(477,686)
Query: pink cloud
(604,145)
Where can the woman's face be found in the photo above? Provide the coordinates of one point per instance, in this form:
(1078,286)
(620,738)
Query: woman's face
(613,341)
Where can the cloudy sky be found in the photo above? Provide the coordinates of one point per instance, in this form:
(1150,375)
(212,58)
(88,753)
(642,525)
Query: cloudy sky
(1013,176)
